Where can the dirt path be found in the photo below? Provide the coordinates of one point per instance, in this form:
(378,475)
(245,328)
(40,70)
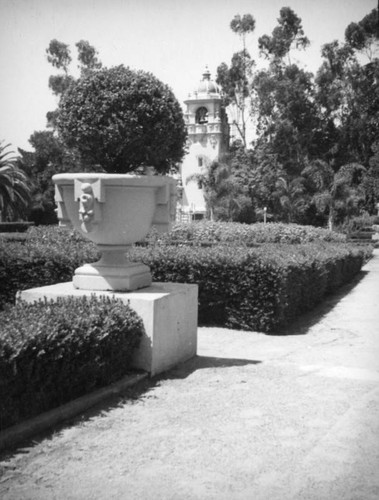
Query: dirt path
(251,417)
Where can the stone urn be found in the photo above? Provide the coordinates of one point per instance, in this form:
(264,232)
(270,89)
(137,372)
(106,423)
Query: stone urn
(114,211)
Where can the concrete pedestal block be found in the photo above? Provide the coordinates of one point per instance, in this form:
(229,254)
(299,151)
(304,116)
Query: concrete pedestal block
(168,311)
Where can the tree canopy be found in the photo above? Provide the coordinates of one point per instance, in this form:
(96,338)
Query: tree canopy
(308,125)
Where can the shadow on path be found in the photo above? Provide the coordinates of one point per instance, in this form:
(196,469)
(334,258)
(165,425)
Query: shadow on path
(200,362)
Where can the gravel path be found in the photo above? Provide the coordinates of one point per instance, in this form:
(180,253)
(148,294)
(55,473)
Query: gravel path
(251,417)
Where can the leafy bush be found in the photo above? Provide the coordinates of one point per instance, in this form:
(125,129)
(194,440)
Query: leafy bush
(14,227)
(356,224)
(210,233)
(49,255)
(53,352)
(261,288)
(122,119)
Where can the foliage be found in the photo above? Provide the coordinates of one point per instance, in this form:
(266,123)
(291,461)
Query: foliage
(14,187)
(235,80)
(50,155)
(59,55)
(356,224)
(204,233)
(348,92)
(15,227)
(333,191)
(53,352)
(287,116)
(50,255)
(261,288)
(48,158)
(305,121)
(363,36)
(250,276)
(123,119)
(287,34)
(87,57)
(225,183)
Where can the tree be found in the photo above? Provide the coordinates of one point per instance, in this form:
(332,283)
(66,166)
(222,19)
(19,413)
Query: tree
(288,116)
(225,185)
(289,34)
(87,56)
(364,35)
(292,197)
(287,113)
(49,157)
(243,26)
(348,92)
(59,55)
(371,181)
(122,119)
(235,80)
(335,191)
(14,187)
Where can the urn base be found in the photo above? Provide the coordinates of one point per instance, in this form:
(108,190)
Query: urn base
(126,278)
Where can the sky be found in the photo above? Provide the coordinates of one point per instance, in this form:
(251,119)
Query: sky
(173,39)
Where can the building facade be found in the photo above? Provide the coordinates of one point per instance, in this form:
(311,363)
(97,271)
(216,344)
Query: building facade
(208,137)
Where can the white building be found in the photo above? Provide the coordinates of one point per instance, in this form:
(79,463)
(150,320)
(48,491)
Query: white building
(208,137)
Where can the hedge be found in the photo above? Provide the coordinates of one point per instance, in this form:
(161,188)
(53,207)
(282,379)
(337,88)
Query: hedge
(14,227)
(53,352)
(261,288)
(48,256)
(206,233)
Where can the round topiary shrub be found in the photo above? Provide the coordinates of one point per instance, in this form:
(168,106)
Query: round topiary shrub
(123,119)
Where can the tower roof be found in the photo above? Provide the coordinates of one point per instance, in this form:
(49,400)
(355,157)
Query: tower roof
(206,87)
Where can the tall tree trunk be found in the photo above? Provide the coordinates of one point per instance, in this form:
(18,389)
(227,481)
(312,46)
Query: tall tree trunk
(331,218)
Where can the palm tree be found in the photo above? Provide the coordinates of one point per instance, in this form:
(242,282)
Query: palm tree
(226,197)
(334,190)
(292,197)
(14,187)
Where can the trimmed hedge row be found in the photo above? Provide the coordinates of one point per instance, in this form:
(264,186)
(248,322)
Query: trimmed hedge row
(261,288)
(210,233)
(53,352)
(48,256)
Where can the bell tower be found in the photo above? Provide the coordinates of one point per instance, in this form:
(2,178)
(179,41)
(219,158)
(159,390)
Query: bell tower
(208,137)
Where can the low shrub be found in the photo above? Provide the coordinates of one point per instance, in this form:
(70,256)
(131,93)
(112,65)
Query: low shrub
(53,352)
